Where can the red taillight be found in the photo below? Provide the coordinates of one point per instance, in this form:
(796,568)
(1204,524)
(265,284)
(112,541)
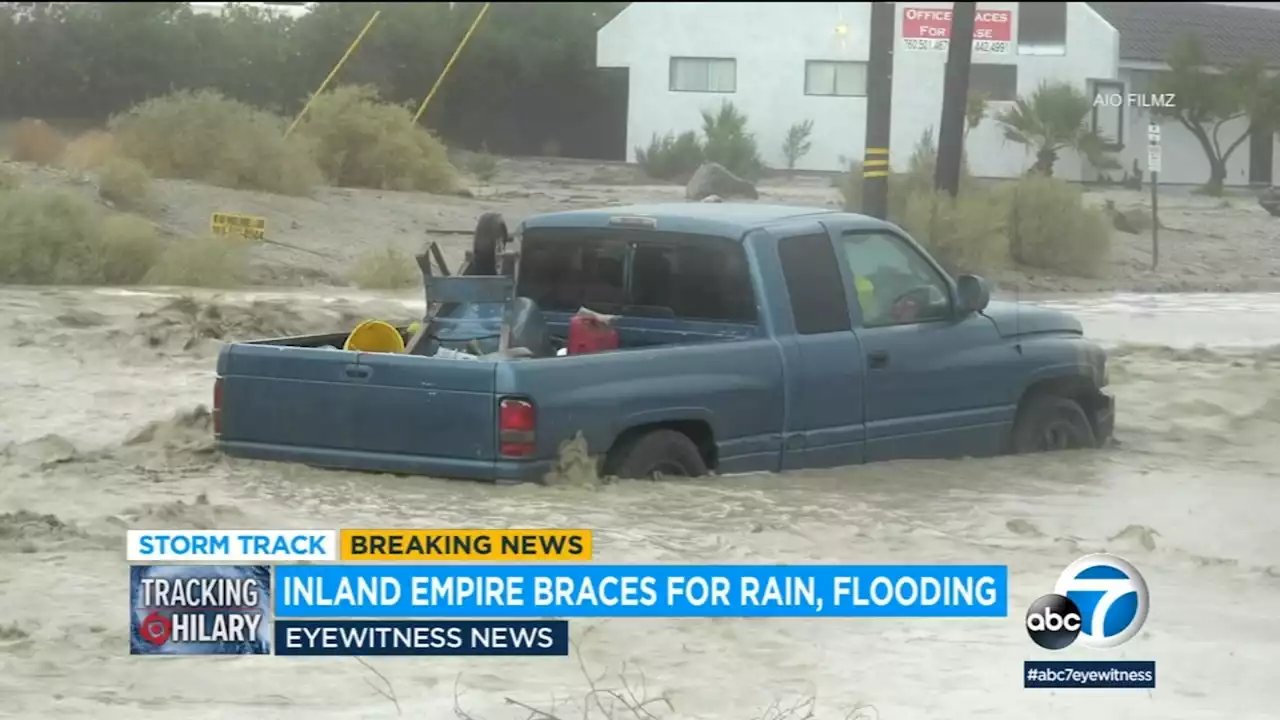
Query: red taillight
(217,406)
(516,423)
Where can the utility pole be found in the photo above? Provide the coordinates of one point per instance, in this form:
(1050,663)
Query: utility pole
(955,94)
(875,162)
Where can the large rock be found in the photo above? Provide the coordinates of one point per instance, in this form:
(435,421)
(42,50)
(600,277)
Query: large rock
(714,179)
(1270,201)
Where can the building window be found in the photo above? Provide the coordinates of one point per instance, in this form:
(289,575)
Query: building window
(711,75)
(996,83)
(827,77)
(1042,28)
(1107,118)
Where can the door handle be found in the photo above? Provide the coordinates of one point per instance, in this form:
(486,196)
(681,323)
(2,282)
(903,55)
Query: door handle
(877,359)
(358,372)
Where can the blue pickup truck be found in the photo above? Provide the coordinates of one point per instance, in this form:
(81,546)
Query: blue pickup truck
(753,338)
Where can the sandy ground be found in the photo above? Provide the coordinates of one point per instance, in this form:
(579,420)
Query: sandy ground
(1209,244)
(102,429)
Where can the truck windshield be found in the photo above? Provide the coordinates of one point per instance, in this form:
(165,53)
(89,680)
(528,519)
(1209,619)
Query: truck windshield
(630,272)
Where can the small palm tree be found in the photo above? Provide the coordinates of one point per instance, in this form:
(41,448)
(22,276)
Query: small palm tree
(1054,118)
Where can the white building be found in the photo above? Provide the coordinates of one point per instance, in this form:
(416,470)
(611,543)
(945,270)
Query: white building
(1231,34)
(783,63)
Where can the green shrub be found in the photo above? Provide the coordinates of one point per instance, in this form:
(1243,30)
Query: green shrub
(670,157)
(47,237)
(797,144)
(216,262)
(1052,229)
(361,142)
(125,183)
(1034,221)
(207,137)
(968,233)
(56,237)
(386,269)
(728,142)
(129,249)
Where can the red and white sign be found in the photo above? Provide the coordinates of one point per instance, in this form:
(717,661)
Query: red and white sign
(930,29)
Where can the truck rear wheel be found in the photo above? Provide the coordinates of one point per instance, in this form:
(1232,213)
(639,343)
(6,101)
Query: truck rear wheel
(1051,422)
(662,451)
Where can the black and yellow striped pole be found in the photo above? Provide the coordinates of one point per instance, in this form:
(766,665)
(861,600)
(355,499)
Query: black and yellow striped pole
(875,163)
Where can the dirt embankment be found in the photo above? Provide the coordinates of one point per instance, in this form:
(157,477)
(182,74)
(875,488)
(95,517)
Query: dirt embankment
(1206,244)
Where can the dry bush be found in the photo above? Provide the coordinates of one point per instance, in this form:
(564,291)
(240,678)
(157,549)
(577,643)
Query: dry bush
(56,237)
(125,183)
(89,151)
(1051,228)
(207,137)
(385,269)
(9,179)
(129,248)
(1034,221)
(362,142)
(968,233)
(216,262)
(37,142)
(46,237)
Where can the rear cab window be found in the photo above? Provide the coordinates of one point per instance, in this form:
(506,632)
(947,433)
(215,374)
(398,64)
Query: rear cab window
(637,273)
(814,284)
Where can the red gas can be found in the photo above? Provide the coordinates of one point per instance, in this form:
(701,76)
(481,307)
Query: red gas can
(589,335)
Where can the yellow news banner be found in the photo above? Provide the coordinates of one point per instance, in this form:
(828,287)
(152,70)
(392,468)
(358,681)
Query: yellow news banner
(464,545)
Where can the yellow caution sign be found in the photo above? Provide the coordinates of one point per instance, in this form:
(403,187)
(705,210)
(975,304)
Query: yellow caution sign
(251,227)
(456,545)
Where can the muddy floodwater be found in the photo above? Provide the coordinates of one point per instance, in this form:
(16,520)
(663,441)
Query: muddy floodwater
(101,430)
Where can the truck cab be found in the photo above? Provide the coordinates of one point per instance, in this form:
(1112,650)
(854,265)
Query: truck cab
(752,338)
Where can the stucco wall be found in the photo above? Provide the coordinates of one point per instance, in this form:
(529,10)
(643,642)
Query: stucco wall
(772,41)
(1183,161)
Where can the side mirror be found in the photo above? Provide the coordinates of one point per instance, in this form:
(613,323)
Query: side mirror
(974,293)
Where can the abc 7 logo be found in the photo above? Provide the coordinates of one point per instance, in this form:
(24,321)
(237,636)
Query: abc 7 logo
(1100,600)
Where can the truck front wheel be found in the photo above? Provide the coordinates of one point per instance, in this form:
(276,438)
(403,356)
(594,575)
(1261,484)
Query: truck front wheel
(1051,422)
(662,451)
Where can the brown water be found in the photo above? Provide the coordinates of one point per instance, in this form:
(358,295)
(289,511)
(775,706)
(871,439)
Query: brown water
(1189,496)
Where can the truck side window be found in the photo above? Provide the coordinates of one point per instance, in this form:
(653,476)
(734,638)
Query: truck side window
(818,301)
(895,284)
(704,279)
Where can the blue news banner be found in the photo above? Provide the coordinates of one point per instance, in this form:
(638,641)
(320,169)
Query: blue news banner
(379,610)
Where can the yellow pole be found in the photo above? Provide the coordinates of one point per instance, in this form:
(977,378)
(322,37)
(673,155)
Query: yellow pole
(354,44)
(479,16)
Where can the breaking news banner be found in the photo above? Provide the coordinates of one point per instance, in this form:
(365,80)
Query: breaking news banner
(392,545)
(200,610)
(513,591)
(422,637)
(1089,674)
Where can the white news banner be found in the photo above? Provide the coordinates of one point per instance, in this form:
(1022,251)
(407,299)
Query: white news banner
(232,546)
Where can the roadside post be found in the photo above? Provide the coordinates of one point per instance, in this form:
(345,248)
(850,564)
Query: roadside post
(875,161)
(1153,168)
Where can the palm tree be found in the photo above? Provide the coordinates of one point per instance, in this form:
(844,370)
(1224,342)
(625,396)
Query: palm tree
(1054,118)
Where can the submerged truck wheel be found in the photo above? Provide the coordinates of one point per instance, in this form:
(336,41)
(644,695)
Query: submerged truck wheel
(663,451)
(1051,422)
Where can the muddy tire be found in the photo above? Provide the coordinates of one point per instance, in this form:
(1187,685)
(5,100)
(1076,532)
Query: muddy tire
(660,451)
(489,240)
(1048,423)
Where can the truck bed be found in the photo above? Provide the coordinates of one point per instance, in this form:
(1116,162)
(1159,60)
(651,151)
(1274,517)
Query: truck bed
(294,400)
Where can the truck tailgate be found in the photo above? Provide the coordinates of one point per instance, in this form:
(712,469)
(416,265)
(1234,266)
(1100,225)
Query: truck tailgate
(311,405)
